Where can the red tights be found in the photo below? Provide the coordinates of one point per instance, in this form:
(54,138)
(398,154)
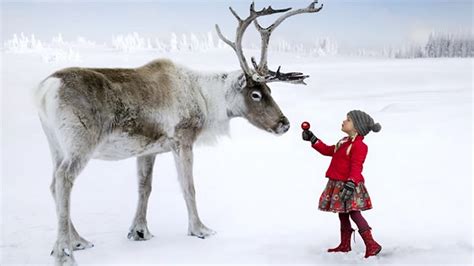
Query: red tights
(357,217)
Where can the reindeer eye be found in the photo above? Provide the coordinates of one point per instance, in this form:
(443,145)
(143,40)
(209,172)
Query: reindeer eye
(256,96)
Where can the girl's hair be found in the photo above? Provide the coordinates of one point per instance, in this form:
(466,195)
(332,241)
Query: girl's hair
(339,143)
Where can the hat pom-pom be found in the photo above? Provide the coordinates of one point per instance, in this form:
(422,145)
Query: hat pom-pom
(376,127)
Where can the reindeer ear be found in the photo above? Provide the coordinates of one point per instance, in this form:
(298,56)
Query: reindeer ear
(241,83)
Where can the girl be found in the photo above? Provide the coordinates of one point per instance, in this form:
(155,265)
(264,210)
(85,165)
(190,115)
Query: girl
(345,192)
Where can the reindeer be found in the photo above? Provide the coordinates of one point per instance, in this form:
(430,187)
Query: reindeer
(117,113)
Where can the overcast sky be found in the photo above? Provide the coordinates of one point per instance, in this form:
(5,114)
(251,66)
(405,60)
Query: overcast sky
(354,24)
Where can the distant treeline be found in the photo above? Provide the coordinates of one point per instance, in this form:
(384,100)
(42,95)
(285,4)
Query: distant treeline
(437,45)
(440,45)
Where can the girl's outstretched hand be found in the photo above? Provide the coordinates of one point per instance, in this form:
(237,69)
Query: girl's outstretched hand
(307,135)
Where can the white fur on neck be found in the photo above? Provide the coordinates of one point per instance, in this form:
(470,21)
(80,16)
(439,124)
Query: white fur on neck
(221,97)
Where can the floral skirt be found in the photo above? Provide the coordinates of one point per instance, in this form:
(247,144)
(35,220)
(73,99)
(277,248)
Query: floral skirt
(330,198)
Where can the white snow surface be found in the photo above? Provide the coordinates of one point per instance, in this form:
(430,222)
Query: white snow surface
(259,191)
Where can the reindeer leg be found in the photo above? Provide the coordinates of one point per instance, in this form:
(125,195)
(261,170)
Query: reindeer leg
(183,156)
(139,229)
(64,177)
(70,160)
(78,242)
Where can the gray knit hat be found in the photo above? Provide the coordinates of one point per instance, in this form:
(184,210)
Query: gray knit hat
(363,123)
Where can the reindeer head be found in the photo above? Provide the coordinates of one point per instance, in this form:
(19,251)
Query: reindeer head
(260,108)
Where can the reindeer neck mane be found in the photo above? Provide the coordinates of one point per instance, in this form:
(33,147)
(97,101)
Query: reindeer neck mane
(220,102)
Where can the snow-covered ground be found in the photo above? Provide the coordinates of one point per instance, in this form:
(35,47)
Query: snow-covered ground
(258,191)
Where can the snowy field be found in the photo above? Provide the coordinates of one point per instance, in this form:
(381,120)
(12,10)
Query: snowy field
(258,191)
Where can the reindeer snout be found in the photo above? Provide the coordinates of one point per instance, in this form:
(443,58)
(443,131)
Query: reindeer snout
(283,125)
(284,121)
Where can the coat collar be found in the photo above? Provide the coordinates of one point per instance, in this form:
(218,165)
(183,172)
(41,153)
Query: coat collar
(357,138)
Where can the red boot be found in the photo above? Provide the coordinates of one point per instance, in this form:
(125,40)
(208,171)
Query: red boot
(372,248)
(345,245)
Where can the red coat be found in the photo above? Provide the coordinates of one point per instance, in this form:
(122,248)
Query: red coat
(345,167)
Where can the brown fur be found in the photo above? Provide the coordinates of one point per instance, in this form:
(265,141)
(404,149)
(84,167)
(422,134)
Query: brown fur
(123,95)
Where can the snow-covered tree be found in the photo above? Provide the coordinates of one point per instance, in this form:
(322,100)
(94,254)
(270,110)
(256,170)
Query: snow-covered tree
(183,44)
(194,43)
(210,41)
(174,42)
(23,44)
(130,42)
(160,46)
(58,40)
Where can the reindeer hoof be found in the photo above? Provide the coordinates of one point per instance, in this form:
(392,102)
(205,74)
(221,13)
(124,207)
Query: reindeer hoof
(201,232)
(139,235)
(63,257)
(83,245)
(65,261)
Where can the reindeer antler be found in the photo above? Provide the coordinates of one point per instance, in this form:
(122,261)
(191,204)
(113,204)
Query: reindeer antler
(263,74)
(243,24)
(290,77)
(262,67)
